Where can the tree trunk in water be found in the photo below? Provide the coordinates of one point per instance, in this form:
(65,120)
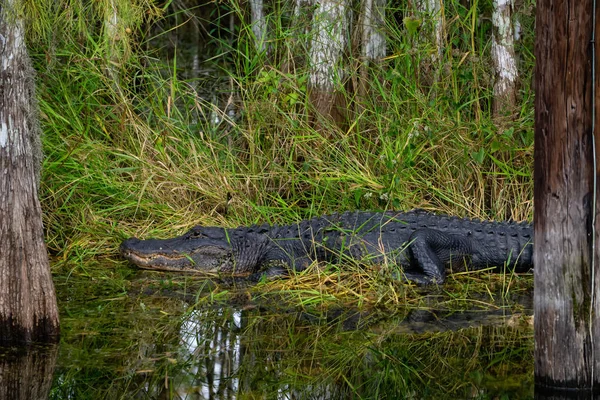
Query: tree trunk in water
(567,284)
(596,227)
(503,58)
(329,40)
(28,310)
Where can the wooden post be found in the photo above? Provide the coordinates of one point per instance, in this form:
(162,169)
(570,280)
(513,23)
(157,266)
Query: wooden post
(566,282)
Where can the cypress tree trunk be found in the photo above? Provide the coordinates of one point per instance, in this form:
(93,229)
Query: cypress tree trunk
(115,39)
(259,24)
(567,325)
(433,27)
(503,58)
(372,19)
(28,309)
(373,41)
(328,41)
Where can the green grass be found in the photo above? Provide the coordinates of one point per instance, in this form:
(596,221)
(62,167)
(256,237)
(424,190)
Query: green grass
(143,158)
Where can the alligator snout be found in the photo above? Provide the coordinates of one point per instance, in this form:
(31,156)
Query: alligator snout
(127,245)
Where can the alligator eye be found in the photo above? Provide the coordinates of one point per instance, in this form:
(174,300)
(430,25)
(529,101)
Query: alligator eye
(196,235)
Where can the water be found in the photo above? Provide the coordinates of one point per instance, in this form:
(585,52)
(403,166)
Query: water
(151,342)
(151,338)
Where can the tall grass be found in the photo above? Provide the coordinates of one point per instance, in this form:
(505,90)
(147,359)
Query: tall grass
(163,152)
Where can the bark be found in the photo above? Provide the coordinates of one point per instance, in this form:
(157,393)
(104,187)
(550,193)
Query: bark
(596,221)
(329,40)
(503,58)
(111,35)
(116,44)
(430,36)
(566,281)
(27,373)
(373,44)
(433,27)
(259,24)
(373,39)
(28,310)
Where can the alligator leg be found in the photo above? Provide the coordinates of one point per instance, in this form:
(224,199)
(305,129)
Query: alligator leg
(280,268)
(278,271)
(429,252)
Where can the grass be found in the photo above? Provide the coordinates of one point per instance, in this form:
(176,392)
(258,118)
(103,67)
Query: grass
(162,153)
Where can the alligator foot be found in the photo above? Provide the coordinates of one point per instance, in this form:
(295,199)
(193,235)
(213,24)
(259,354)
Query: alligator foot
(269,274)
(415,277)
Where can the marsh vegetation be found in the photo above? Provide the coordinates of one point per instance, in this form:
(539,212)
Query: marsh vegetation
(173,117)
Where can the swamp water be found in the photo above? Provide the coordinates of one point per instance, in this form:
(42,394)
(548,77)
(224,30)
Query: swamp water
(159,336)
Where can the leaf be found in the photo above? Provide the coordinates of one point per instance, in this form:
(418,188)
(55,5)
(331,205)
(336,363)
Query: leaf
(358,194)
(291,98)
(478,156)
(412,24)
(495,146)
(159,144)
(509,132)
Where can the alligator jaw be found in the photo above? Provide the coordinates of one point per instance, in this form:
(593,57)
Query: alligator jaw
(165,255)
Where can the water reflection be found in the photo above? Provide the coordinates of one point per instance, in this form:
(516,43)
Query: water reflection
(26,372)
(230,352)
(227,357)
(211,339)
(153,346)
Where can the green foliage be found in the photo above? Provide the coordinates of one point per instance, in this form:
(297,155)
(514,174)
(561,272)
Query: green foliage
(142,144)
(412,24)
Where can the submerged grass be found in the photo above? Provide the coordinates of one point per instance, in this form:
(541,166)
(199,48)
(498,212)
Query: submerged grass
(164,150)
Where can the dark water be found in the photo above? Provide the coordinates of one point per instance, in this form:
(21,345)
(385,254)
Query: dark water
(158,338)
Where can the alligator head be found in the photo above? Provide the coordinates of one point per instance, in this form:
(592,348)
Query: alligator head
(200,250)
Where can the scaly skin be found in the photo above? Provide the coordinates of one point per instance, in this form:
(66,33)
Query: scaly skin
(423,244)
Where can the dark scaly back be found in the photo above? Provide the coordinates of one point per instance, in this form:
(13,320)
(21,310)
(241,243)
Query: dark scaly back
(500,242)
(493,242)
(373,234)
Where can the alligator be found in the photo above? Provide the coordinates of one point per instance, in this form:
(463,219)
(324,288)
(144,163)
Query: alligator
(417,246)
